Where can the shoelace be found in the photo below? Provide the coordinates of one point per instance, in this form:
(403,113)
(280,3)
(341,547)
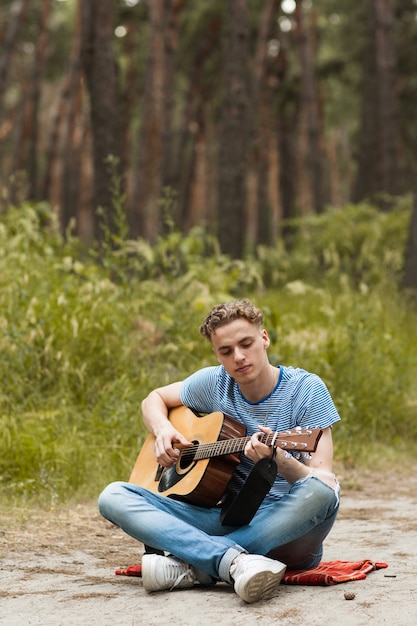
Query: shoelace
(186,575)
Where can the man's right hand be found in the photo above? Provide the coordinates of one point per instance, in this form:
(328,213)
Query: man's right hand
(165,451)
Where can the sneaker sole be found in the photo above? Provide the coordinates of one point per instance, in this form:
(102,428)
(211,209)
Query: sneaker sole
(260,586)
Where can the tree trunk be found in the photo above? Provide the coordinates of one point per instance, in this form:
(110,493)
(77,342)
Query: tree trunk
(35,96)
(309,108)
(387,96)
(287,175)
(365,177)
(377,161)
(233,131)
(70,179)
(168,174)
(129,94)
(10,155)
(59,121)
(17,15)
(286,133)
(192,134)
(145,210)
(100,68)
(261,122)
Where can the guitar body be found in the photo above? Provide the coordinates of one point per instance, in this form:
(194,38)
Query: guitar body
(201,482)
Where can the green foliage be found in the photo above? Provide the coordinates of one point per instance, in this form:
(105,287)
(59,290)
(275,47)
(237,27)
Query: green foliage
(83,337)
(364,345)
(83,341)
(358,246)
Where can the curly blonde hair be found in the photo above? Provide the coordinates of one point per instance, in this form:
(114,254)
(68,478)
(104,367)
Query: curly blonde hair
(226,312)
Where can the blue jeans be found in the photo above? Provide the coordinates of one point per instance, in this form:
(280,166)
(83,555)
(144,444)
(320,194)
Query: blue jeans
(290,530)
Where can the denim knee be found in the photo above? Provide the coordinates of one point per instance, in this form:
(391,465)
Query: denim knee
(107,498)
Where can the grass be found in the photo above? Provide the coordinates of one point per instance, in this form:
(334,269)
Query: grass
(85,335)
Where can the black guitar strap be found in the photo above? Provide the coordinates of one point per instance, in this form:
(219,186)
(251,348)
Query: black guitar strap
(239,510)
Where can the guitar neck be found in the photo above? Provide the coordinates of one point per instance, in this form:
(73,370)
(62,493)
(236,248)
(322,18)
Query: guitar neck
(296,439)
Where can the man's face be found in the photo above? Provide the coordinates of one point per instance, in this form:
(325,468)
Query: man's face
(241,348)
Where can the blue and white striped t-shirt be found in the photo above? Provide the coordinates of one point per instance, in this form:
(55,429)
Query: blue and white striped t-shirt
(299,399)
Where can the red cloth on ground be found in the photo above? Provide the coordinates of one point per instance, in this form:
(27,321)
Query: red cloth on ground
(332,572)
(326,573)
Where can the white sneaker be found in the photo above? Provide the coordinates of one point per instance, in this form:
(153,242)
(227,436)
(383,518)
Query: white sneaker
(256,577)
(160,573)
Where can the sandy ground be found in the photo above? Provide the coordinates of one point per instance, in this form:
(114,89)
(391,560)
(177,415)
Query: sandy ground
(57,568)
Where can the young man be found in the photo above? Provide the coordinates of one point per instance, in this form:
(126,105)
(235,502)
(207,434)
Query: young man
(296,515)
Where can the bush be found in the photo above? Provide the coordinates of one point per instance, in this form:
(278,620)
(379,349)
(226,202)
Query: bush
(357,245)
(84,337)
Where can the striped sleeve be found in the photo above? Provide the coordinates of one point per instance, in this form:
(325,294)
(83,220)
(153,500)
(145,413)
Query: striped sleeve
(312,403)
(198,390)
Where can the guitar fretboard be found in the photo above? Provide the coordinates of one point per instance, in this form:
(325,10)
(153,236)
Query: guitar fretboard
(297,439)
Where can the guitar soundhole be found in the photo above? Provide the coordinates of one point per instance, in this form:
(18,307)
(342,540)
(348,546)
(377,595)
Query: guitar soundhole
(172,475)
(187,457)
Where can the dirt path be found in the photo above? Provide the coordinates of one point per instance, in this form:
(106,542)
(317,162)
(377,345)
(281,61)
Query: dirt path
(57,568)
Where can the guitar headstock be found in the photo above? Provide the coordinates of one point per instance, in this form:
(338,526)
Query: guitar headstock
(301,439)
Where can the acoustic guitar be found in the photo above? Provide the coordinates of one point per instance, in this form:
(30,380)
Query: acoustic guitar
(202,472)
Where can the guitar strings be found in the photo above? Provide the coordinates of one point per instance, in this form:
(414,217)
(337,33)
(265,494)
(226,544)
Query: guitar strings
(230,446)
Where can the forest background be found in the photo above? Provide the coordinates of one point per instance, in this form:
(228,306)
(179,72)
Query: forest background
(158,157)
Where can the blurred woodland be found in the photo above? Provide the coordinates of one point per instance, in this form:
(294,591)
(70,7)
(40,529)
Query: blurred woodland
(236,114)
